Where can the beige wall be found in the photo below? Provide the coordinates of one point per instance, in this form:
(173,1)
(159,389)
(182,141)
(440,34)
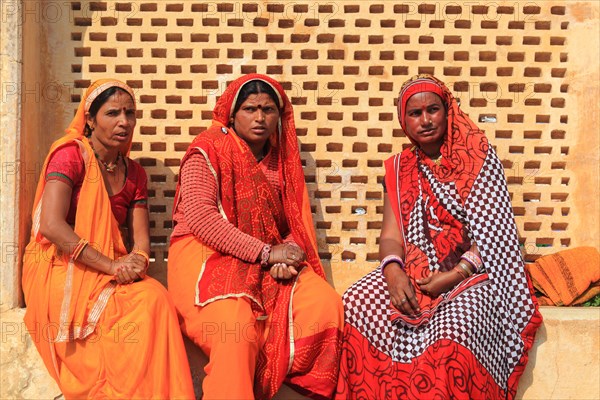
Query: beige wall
(10,76)
(342,63)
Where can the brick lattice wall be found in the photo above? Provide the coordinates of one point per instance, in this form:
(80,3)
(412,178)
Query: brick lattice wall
(342,64)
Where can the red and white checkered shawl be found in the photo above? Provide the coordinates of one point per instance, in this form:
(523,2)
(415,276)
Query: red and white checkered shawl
(488,321)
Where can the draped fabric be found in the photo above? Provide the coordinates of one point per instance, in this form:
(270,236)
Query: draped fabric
(472,341)
(250,203)
(568,277)
(90,331)
(86,290)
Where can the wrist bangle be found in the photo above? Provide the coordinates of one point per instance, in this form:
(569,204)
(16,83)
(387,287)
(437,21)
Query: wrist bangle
(143,254)
(461,272)
(390,259)
(465,268)
(79,249)
(473,259)
(264,258)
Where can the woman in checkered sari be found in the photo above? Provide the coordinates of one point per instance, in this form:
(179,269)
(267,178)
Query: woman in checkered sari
(449,312)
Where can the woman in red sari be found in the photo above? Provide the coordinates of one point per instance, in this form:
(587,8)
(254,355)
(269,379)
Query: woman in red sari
(244,269)
(104,329)
(449,312)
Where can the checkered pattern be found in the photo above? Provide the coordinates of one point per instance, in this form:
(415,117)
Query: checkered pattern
(487,317)
(446,194)
(492,223)
(366,307)
(416,232)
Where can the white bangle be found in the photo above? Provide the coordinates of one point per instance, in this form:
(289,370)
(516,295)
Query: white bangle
(390,259)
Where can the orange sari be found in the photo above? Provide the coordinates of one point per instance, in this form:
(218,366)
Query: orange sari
(99,339)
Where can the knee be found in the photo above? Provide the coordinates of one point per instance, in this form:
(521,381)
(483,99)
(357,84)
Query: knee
(327,307)
(152,293)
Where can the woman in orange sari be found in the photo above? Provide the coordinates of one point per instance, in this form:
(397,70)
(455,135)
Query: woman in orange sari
(244,269)
(103,328)
(449,313)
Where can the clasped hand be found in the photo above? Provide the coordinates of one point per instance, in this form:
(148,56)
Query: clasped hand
(129,268)
(437,283)
(402,292)
(284,259)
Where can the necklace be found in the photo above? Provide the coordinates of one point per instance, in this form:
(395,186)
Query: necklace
(437,160)
(109,167)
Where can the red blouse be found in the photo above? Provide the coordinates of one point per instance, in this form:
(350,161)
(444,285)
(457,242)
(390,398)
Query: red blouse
(66,165)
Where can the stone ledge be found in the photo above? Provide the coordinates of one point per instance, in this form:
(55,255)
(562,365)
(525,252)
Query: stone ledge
(564,362)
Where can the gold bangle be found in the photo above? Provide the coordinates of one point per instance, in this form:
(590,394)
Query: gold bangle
(81,245)
(143,254)
(466,268)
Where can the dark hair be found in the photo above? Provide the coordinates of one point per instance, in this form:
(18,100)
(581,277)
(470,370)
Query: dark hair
(255,87)
(99,102)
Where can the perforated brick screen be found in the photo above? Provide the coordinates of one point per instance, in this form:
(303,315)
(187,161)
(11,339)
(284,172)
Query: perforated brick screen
(342,63)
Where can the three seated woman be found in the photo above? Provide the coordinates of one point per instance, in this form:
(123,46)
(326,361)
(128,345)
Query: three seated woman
(448,313)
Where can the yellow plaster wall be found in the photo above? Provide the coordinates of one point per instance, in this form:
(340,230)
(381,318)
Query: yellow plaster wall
(531,65)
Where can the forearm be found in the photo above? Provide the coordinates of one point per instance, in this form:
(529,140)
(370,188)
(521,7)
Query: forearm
(66,240)
(388,247)
(203,217)
(213,230)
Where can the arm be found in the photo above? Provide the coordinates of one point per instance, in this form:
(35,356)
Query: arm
(441,282)
(54,227)
(139,230)
(201,213)
(139,237)
(391,242)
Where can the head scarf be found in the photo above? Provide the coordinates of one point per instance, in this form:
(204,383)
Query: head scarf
(86,290)
(419,84)
(465,145)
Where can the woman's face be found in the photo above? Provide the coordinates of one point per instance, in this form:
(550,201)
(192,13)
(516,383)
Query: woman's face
(115,120)
(425,122)
(256,120)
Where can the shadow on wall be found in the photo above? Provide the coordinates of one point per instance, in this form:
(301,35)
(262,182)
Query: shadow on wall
(47,107)
(526,380)
(162,181)
(327,256)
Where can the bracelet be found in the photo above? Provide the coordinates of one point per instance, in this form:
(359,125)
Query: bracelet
(390,259)
(264,258)
(143,254)
(79,248)
(465,268)
(473,259)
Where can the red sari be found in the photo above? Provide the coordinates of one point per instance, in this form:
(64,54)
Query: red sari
(472,341)
(250,203)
